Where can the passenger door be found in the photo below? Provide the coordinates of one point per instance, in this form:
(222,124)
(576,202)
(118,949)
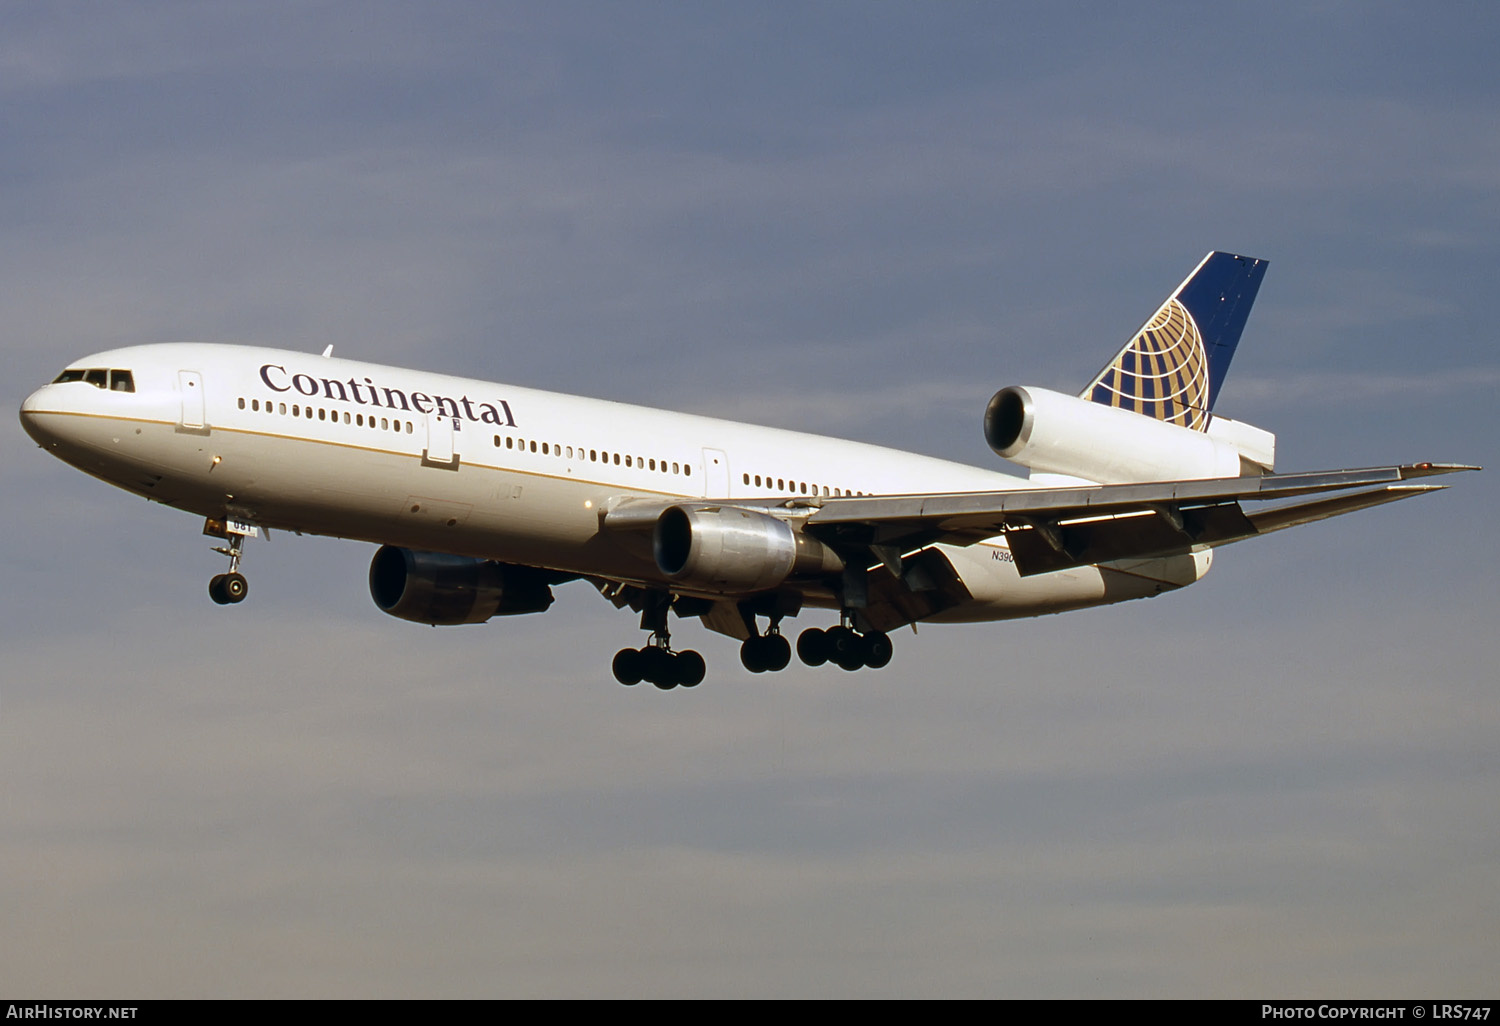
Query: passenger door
(441,448)
(190,386)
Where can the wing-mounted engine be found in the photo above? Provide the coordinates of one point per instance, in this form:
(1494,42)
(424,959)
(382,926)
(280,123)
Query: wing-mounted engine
(437,588)
(730,550)
(1054,433)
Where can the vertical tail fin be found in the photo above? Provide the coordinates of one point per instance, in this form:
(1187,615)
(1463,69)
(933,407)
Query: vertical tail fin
(1172,369)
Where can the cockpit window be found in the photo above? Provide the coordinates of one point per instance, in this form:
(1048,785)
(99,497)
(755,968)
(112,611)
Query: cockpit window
(109,380)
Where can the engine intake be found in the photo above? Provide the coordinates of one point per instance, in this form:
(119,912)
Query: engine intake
(437,588)
(729,550)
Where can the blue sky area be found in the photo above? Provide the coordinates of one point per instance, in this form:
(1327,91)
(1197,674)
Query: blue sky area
(859,219)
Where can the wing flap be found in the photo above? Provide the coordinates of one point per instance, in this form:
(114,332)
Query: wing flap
(1042,548)
(963,518)
(1057,528)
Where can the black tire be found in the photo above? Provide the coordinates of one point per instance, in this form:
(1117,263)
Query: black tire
(658,667)
(777,652)
(812,646)
(216,590)
(691,669)
(877,649)
(844,648)
(753,655)
(627,666)
(235,587)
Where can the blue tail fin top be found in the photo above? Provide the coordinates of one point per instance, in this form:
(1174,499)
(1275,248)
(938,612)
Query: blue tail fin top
(1174,366)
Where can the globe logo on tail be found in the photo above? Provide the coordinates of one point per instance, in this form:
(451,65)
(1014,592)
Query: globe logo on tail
(1163,373)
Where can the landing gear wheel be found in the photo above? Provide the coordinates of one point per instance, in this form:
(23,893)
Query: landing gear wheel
(216,589)
(235,587)
(767,653)
(627,666)
(778,652)
(877,649)
(844,648)
(659,667)
(751,656)
(691,668)
(812,646)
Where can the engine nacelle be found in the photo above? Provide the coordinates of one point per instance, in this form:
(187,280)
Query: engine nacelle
(1054,433)
(436,588)
(734,551)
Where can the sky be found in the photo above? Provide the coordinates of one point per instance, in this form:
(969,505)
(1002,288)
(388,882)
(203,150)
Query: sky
(849,218)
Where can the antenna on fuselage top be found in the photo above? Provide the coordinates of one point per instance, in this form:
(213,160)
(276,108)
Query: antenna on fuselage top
(328,352)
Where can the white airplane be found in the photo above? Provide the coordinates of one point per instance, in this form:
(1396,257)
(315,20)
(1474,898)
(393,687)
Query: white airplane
(483,496)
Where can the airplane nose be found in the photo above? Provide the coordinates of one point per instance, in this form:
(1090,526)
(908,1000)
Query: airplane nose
(32,420)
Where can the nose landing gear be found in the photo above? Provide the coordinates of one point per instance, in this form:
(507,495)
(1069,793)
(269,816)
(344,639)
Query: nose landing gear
(231,588)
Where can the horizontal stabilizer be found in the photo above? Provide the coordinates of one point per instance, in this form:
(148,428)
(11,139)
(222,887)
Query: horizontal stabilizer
(1297,514)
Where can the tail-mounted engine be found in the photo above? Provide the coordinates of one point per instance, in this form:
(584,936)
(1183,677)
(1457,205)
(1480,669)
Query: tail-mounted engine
(1061,434)
(436,588)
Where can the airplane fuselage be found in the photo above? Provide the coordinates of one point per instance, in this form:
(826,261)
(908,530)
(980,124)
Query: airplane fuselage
(338,447)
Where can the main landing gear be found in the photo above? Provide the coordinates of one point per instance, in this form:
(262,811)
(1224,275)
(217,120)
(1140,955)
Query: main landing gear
(844,647)
(655,661)
(231,588)
(657,664)
(766,653)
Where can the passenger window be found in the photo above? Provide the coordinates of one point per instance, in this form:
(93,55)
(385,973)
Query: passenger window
(242,402)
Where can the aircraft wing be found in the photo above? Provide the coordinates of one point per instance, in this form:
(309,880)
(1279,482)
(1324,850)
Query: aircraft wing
(1056,528)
